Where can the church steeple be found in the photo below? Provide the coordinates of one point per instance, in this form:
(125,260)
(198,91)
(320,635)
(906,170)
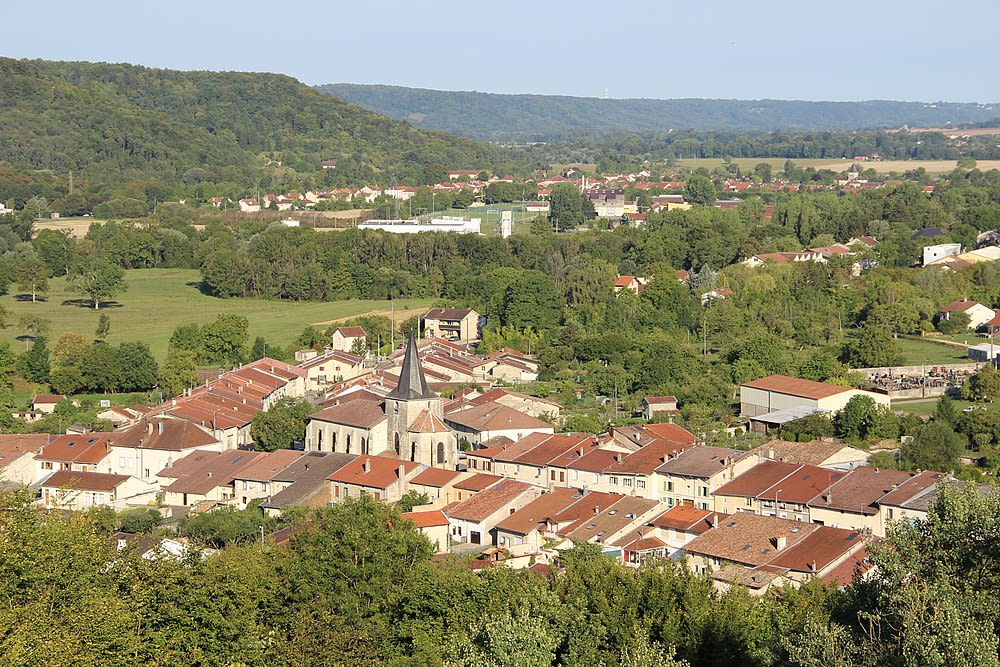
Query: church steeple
(412,384)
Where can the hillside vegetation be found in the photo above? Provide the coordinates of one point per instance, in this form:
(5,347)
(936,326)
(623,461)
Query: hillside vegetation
(115,122)
(487,115)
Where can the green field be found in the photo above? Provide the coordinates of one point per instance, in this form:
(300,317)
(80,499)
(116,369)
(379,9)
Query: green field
(925,351)
(158,300)
(490,216)
(927,406)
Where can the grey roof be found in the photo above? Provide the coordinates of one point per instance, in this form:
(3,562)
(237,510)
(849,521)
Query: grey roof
(308,474)
(701,461)
(786,415)
(412,384)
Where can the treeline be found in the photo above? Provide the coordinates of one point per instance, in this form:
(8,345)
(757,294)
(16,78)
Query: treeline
(624,150)
(357,586)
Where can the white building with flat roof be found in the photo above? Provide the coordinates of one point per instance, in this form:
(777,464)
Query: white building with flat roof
(442,224)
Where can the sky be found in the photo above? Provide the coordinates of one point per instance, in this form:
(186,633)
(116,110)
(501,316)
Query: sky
(912,50)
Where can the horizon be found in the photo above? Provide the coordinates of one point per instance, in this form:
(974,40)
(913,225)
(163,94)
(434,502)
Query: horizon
(784,51)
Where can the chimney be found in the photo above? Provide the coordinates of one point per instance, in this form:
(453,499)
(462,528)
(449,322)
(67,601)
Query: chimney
(770,453)
(159,427)
(597,509)
(367,466)
(715,520)
(307,465)
(149,428)
(780,541)
(812,566)
(618,457)
(401,471)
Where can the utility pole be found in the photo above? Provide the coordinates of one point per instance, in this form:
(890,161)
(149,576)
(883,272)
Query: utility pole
(392,328)
(71,182)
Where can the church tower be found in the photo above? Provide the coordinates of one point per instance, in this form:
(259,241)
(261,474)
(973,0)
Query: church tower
(415,414)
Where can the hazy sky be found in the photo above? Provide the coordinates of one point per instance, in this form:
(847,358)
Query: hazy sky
(784,49)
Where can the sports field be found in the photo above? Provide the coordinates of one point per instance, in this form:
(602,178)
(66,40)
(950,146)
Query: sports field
(158,300)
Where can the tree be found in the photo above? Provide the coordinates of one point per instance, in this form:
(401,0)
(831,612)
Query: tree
(954,323)
(138,367)
(935,446)
(179,372)
(531,300)
(700,190)
(226,526)
(984,385)
(68,354)
(280,426)
(224,341)
(101,368)
(259,349)
(566,205)
(35,363)
(360,347)
(103,327)
(186,337)
(98,278)
(412,499)
(872,348)
(139,521)
(862,418)
(33,276)
(8,365)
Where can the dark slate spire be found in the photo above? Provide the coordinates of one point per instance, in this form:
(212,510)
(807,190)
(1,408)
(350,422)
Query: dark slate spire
(412,384)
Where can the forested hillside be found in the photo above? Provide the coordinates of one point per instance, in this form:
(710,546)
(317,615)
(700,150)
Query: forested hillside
(115,122)
(486,115)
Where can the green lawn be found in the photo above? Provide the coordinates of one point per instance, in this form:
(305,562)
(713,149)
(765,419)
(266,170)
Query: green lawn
(925,351)
(927,406)
(158,300)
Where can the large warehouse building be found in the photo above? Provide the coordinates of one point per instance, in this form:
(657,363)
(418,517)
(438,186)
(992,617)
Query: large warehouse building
(778,399)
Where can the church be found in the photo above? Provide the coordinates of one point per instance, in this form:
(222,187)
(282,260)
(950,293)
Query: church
(407,424)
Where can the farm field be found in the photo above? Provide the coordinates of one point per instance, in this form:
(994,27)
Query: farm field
(158,300)
(76,227)
(884,166)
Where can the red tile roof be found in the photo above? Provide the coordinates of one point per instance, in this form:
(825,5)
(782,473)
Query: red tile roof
(488,501)
(436,477)
(426,519)
(477,482)
(687,518)
(83,481)
(85,449)
(382,471)
(784,384)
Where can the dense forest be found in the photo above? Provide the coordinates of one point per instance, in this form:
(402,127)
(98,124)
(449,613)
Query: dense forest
(112,124)
(506,117)
(357,585)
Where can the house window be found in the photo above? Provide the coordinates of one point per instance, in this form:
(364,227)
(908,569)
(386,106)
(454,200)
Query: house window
(336,492)
(46,465)
(627,481)
(640,484)
(378,496)
(562,475)
(552,475)
(121,461)
(613,481)
(703,492)
(145,472)
(263,487)
(888,513)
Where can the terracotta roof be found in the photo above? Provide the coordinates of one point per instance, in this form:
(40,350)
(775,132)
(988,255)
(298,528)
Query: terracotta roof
(358,413)
(495,417)
(802,485)
(352,332)
(817,550)
(426,519)
(860,490)
(47,399)
(671,432)
(911,488)
(596,460)
(24,442)
(382,471)
(436,477)
(83,481)
(784,384)
(747,538)
(166,434)
(687,518)
(270,464)
(701,461)
(477,482)
(586,506)
(427,422)
(845,573)
(539,510)
(646,459)
(758,479)
(89,449)
(623,281)
(646,544)
(553,447)
(488,501)
(656,400)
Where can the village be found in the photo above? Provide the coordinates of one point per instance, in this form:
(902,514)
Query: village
(490,477)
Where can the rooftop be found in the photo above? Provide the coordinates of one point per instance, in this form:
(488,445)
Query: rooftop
(375,472)
(783,384)
(701,461)
(749,539)
(488,501)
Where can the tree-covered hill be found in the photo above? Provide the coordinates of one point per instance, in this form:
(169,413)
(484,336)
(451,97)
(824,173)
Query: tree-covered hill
(112,122)
(492,116)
